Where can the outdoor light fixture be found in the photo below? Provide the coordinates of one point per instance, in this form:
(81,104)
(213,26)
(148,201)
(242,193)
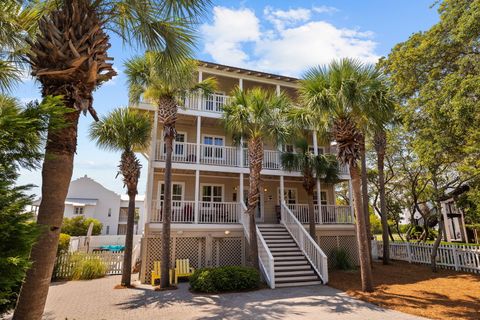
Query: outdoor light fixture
(265,190)
(227,232)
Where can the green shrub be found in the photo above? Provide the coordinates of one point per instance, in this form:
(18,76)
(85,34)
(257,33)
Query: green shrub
(63,243)
(340,259)
(222,279)
(78,226)
(89,269)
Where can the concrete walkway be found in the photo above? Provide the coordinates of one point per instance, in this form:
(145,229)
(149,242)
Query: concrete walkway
(96,299)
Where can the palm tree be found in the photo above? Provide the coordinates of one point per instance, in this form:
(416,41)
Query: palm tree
(256,116)
(165,85)
(125,130)
(69,58)
(17,19)
(313,168)
(339,97)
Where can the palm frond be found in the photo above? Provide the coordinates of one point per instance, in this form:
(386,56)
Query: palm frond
(123,129)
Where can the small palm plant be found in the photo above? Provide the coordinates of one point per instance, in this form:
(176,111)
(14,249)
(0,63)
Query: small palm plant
(165,85)
(313,168)
(256,116)
(125,130)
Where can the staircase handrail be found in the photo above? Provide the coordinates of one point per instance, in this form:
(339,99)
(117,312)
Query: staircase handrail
(266,260)
(305,242)
(244,219)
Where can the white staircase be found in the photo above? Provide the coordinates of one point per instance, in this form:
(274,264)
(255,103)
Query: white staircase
(291,268)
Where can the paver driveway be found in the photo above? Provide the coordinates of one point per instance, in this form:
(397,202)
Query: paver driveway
(96,299)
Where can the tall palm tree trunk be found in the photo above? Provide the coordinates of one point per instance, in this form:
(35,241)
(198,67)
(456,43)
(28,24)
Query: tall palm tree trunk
(365,198)
(130,169)
(127,254)
(255,153)
(362,237)
(167,209)
(56,175)
(380,145)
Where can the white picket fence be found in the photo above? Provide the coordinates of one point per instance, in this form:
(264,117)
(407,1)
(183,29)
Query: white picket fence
(66,263)
(449,256)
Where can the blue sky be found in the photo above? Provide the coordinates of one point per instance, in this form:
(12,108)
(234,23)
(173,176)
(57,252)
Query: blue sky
(283,37)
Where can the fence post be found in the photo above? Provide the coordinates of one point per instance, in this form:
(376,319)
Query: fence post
(374,250)
(409,252)
(455,257)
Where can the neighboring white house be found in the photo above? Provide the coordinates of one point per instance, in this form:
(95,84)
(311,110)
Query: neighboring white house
(92,200)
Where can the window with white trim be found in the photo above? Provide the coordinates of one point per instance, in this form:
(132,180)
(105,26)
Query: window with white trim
(320,150)
(289,195)
(216,149)
(177,193)
(212,193)
(178,144)
(288,148)
(323,197)
(78,210)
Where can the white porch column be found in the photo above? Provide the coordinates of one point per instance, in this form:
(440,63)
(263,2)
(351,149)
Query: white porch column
(282,190)
(240,154)
(241,188)
(240,83)
(319,194)
(200,76)
(199,133)
(197,194)
(151,171)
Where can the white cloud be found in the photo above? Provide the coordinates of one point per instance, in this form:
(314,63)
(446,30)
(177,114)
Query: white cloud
(292,41)
(229,31)
(325,9)
(282,18)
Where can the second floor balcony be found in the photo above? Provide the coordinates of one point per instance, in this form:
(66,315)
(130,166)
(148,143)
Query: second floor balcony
(227,156)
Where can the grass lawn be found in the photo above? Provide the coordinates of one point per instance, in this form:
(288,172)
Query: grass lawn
(416,290)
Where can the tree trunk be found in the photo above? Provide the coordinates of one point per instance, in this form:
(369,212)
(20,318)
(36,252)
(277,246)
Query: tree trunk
(436,244)
(56,174)
(255,153)
(167,211)
(365,198)
(380,141)
(311,215)
(362,238)
(127,254)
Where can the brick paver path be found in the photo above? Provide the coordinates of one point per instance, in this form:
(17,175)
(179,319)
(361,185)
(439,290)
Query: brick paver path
(96,299)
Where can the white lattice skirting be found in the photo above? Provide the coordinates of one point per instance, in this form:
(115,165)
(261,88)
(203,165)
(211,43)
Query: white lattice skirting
(202,251)
(331,243)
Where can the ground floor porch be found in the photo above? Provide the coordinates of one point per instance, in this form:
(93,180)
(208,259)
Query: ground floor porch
(225,244)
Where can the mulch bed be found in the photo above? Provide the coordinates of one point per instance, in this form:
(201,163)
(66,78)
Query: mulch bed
(415,289)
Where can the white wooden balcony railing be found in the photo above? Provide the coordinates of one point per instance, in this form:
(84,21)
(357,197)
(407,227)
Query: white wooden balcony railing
(219,212)
(182,211)
(209,212)
(329,214)
(209,103)
(229,156)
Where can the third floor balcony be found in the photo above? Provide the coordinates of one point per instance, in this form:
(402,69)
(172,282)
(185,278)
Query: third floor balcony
(224,156)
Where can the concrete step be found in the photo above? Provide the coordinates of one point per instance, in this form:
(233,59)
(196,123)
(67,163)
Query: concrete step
(296,279)
(281,274)
(298,284)
(292,267)
(279,240)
